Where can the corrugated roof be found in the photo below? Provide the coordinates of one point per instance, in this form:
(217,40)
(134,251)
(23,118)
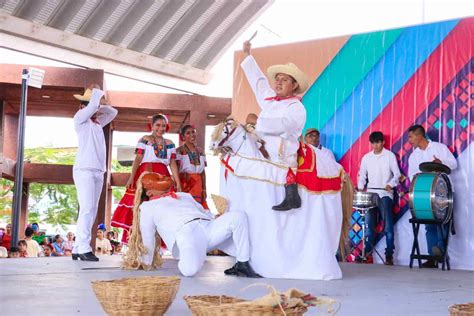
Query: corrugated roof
(182,38)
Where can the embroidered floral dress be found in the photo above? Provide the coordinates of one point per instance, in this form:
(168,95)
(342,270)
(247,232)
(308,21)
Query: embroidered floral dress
(157,157)
(191,166)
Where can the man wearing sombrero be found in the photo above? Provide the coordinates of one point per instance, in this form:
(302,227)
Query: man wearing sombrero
(89,167)
(282,117)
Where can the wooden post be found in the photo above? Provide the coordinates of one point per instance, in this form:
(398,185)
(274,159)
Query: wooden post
(10,131)
(105,202)
(198,118)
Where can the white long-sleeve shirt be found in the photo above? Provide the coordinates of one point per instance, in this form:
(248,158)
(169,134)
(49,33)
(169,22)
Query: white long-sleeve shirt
(325,151)
(172,214)
(432,151)
(280,123)
(91,148)
(378,170)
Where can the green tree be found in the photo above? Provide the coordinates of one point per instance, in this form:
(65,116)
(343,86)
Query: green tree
(51,203)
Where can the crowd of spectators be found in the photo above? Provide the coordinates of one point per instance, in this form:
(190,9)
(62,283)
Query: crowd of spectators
(36,243)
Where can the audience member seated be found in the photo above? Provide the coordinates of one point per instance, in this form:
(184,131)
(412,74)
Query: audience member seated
(69,243)
(3,252)
(47,250)
(22,245)
(33,249)
(7,236)
(118,249)
(37,234)
(57,246)
(102,244)
(67,252)
(14,252)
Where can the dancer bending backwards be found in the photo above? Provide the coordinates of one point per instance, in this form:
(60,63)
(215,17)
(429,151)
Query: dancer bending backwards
(186,228)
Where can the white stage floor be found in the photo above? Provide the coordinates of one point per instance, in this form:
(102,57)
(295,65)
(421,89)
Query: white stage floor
(59,286)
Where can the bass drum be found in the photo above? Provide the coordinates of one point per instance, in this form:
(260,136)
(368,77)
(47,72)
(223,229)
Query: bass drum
(431,197)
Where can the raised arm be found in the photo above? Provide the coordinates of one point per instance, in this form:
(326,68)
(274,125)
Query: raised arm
(93,106)
(256,78)
(106,114)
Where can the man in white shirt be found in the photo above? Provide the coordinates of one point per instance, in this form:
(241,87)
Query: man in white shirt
(282,117)
(89,167)
(188,230)
(426,151)
(379,172)
(312,137)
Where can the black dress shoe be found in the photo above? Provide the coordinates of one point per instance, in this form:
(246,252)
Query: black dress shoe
(75,256)
(230,271)
(242,269)
(292,199)
(88,256)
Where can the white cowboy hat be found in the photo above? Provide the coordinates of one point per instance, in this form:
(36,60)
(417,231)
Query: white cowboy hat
(84,97)
(292,70)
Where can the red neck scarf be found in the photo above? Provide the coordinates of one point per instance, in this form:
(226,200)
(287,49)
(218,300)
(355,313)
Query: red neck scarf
(169,194)
(277,98)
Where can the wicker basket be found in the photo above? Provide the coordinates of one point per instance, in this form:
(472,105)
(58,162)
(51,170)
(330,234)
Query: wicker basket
(150,295)
(207,305)
(461,309)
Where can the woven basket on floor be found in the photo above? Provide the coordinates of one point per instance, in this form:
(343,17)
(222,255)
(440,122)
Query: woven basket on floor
(150,295)
(207,305)
(461,309)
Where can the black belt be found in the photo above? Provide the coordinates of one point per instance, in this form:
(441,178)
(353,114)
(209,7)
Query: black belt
(196,219)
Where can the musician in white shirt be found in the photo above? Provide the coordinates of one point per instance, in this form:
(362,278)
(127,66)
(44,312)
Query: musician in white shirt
(89,167)
(428,151)
(379,172)
(312,137)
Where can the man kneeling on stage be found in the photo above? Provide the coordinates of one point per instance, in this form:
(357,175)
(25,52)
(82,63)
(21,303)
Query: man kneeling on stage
(188,230)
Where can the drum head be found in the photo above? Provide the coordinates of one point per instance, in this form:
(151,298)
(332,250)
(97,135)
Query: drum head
(434,167)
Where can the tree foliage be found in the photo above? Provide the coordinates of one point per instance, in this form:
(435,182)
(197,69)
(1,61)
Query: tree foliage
(50,203)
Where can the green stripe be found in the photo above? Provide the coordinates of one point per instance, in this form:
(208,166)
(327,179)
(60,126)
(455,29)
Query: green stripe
(348,68)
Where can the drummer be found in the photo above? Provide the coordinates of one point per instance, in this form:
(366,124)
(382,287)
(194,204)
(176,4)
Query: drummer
(379,172)
(312,137)
(428,151)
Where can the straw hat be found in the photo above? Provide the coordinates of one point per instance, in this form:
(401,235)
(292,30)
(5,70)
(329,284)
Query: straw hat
(292,70)
(155,181)
(84,97)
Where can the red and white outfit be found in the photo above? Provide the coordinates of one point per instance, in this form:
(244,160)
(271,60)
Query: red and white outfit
(155,159)
(89,167)
(191,167)
(280,121)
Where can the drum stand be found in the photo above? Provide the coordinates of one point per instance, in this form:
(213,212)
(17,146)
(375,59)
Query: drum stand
(415,249)
(363,212)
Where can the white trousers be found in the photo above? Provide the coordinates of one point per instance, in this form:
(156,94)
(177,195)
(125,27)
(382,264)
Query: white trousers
(198,237)
(88,186)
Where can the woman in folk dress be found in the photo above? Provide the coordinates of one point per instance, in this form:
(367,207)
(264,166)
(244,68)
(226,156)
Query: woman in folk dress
(191,163)
(154,153)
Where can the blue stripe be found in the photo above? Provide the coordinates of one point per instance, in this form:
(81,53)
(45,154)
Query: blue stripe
(381,84)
